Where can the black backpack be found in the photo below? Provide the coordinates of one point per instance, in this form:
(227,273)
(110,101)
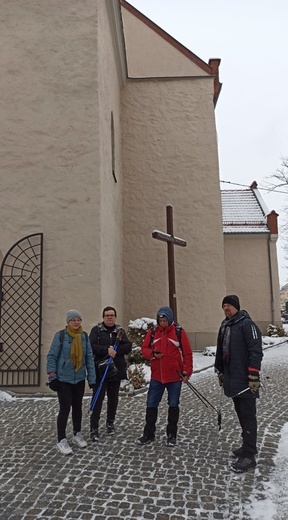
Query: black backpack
(178,330)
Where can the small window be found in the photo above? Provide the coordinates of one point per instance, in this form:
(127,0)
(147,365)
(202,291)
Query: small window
(113,148)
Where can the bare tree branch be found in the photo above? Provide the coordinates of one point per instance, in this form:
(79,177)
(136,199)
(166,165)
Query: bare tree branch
(279,179)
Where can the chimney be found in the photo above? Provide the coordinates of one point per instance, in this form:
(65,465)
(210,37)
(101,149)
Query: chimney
(214,64)
(272,222)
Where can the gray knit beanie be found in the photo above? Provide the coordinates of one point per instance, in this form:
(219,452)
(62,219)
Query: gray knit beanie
(72,314)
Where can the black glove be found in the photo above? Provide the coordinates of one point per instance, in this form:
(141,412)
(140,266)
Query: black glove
(54,385)
(253,380)
(92,386)
(220,378)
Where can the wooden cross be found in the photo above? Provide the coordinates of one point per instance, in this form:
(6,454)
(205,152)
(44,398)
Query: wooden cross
(171,241)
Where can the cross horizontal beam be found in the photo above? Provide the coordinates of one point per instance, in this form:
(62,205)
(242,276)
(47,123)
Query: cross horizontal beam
(165,237)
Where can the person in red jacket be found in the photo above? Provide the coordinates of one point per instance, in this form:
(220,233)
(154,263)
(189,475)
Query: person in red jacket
(169,355)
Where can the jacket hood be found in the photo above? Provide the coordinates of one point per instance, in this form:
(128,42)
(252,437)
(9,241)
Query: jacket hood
(167,313)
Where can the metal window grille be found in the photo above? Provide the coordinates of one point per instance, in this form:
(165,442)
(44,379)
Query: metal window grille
(21,277)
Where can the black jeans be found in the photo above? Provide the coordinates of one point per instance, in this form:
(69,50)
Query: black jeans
(246,411)
(112,388)
(69,395)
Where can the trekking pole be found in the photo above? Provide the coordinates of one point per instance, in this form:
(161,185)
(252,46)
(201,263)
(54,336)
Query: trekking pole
(219,422)
(239,393)
(198,394)
(262,385)
(96,395)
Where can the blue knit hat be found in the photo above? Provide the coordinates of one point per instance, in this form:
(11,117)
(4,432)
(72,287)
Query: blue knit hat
(165,312)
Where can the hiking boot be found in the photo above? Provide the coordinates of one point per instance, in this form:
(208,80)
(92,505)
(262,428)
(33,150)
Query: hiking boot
(238,452)
(64,447)
(243,464)
(110,428)
(94,436)
(145,440)
(171,441)
(78,439)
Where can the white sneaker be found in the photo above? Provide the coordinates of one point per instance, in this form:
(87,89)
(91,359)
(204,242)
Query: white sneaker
(64,447)
(78,439)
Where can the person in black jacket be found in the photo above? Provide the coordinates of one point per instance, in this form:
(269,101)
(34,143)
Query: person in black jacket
(103,338)
(237,363)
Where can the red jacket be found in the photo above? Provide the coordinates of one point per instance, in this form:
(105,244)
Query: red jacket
(174,357)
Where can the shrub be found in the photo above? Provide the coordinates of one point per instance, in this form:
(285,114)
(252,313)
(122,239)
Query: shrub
(137,330)
(276,331)
(136,376)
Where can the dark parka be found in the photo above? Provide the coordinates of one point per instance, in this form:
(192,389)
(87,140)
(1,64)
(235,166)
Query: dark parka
(101,338)
(239,347)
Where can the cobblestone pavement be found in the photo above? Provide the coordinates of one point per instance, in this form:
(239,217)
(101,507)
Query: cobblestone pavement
(118,479)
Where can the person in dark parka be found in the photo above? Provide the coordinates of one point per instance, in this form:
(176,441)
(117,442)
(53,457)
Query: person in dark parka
(103,338)
(238,362)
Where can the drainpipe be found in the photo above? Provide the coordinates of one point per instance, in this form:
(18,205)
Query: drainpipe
(271,281)
(273,236)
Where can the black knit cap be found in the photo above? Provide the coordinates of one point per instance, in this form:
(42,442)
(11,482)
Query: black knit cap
(232,299)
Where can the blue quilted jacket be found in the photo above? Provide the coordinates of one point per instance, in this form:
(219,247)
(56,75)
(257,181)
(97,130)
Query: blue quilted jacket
(58,360)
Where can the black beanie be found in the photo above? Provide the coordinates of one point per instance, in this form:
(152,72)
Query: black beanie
(233,300)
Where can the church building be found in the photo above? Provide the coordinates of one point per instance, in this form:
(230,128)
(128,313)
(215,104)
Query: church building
(105,121)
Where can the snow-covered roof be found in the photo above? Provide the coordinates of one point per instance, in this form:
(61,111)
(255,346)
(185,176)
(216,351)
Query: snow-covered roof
(243,212)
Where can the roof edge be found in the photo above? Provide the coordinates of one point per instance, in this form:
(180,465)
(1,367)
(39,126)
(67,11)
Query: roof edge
(262,204)
(168,38)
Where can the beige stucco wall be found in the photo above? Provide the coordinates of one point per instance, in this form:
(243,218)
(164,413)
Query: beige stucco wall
(248,276)
(170,157)
(58,81)
(149,55)
(111,237)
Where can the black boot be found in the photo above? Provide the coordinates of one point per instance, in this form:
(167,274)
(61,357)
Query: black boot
(150,426)
(94,435)
(243,464)
(238,452)
(110,428)
(173,417)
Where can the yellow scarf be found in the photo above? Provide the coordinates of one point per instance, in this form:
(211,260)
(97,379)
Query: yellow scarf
(76,347)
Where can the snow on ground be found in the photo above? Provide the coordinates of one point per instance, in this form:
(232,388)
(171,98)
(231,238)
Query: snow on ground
(276,489)
(6,397)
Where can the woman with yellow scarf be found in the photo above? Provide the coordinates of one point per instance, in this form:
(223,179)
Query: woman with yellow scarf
(69,361)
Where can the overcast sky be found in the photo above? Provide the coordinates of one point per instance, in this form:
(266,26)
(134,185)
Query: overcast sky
(250,37)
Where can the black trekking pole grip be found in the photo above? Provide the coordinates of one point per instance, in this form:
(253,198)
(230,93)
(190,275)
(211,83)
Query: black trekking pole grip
(119,337)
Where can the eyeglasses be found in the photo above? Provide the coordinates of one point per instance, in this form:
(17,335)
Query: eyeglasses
(76,320)
(109,315)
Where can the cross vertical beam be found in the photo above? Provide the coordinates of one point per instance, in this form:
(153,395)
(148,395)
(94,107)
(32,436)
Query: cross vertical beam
(171,263)
(171,241)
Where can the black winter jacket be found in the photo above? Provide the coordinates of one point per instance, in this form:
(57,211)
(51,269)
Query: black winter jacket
(101,338)
(239,347)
